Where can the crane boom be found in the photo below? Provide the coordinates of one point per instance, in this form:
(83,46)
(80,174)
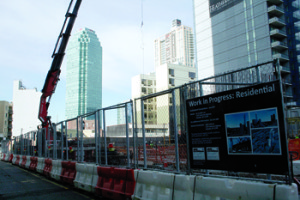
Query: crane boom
(58,55)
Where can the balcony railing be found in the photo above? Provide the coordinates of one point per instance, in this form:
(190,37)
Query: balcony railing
(278,33)
(288,94)
(276,10)
(275,21)
(281,56)
(285,69)
(279,45)
(287,81)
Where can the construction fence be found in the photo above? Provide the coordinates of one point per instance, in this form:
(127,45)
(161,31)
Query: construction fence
(146,132)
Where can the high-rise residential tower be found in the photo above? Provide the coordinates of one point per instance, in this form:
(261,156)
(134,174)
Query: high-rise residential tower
(174,65)
(84,73)
(236,34)
(175,47)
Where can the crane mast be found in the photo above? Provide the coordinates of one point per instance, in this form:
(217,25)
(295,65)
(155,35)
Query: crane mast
(58,55)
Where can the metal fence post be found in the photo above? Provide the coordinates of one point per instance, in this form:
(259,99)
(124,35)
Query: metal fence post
(135,134)
(99,139)
(127,135)
(62,141)
(77,134)
(175,131)
(104,134)
(144,134)
(81,140)
(184,92)
(67,148)
(132,158)
(22,145)
(39,143)
(54,142)
(96,136)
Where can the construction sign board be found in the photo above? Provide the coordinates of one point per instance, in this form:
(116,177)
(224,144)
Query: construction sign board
(239,130)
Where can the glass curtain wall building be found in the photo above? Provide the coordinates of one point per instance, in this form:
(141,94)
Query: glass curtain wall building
(234,34)
(84,74)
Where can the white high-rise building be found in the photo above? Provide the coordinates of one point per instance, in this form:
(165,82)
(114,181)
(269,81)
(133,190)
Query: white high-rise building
(174,66)
(177,46)
(25,107)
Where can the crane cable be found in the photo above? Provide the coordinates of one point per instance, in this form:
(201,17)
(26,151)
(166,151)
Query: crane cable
(142,38)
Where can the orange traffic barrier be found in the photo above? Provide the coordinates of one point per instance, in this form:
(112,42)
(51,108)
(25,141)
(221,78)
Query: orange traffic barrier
(33,163)
(3,156)
(115,183)
(68,172)
(294,146)
(11,158)
(23,163)
(47,167)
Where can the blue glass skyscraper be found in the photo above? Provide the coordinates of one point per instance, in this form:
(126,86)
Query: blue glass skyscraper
(84,73)
(235,34)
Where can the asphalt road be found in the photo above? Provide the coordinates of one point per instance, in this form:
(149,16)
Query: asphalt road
(21,184)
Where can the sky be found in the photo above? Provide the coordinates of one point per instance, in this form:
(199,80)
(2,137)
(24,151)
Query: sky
(29,30)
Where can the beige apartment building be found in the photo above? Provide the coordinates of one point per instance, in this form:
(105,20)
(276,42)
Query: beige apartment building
(6,113)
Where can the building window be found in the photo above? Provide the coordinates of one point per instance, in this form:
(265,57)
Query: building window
(192,75)
(171,81)
(144,90)
(171,72)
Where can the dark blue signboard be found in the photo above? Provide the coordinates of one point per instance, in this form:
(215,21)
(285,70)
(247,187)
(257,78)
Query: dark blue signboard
(239,130)
(217,6)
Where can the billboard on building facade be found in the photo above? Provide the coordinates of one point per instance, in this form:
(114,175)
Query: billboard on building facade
(239,130)
(217,6)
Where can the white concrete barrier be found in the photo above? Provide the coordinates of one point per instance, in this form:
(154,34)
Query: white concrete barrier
(14,159)
(84,177)
(56,169)
(215,188)
(156,185)
(286,192)
(41,164)
(296,167)
(89,177)
(94,178)
(80,168)
(184,187)
(145,187)
(165,183)
(7,157)
(27,162)
(21,160)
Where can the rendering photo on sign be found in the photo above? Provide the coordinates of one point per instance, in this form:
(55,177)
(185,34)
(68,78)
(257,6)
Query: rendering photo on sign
(254,132)
(239,130)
